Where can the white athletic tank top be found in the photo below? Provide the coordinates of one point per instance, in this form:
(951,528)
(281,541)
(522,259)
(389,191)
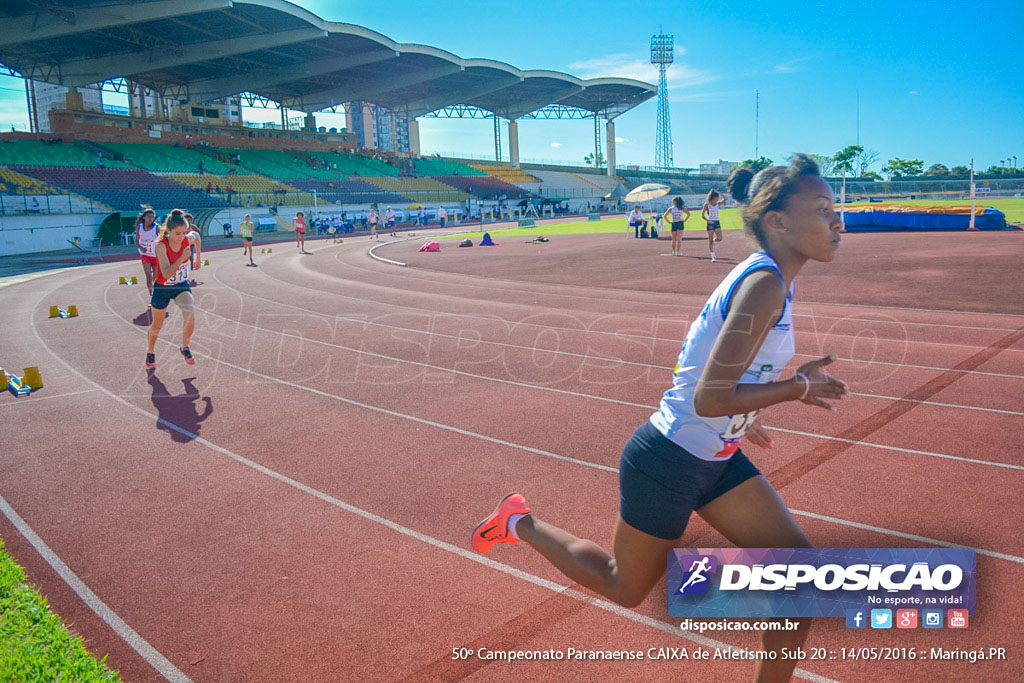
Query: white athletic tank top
(677,214)
(713,212)
(714,438)
(146,240)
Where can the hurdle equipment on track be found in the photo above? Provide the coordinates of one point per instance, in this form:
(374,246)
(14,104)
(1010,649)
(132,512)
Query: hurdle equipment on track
(127,280)
(58,312)
(24,385)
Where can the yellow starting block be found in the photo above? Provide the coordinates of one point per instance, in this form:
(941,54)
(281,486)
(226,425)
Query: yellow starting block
(339,241)
(127,281)
(206,262)
(22,386)
(32,379)
(268,250)
(58,312)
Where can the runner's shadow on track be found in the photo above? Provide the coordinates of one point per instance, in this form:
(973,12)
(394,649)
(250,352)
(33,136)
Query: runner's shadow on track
(179,410)
(144,319)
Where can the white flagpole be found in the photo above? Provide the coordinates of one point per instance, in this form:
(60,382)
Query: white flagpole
(973,202)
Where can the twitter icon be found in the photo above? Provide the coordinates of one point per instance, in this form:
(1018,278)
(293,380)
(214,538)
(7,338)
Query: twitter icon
(881,618)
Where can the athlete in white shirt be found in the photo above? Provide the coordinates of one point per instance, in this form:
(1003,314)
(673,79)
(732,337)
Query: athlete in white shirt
(685,458)
(710,214)
(677,214)
(147,232)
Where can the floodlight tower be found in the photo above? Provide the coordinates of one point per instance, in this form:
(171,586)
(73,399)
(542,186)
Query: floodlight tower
(661,57)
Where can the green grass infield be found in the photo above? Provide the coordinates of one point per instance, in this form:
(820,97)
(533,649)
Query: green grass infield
(34,643)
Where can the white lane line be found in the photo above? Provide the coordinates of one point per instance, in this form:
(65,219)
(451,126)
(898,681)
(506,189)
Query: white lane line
(30,400)
(588,331)
(577,394)
(909,537)
(674,306)
(922,310)
(85,594)
(942,405)
(412,533)
(425,311)
(900,449)
(491,439)
(532,349)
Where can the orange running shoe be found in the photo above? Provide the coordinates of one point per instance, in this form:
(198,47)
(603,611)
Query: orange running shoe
(494,529)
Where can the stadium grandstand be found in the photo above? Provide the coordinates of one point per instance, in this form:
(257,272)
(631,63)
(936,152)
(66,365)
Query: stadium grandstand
(182,144)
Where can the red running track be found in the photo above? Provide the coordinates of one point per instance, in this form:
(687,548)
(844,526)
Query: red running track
(297,506)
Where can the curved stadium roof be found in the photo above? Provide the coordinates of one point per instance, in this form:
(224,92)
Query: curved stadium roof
(202,50)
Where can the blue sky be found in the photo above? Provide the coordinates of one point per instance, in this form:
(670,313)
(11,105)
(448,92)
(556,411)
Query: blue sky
(938,82)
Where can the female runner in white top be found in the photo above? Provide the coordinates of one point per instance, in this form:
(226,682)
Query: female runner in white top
(147,232)
(710,215)
(686,458)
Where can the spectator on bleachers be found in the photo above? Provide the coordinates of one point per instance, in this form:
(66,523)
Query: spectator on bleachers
(34,205)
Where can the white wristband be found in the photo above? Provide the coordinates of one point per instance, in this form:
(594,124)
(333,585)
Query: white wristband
(807,387)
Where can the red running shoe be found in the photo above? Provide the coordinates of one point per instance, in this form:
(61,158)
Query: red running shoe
(188,355)
(150,360)
(494,529)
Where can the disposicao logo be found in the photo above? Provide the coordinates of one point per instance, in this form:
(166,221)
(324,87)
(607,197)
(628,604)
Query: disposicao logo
(696,581)
(822,582)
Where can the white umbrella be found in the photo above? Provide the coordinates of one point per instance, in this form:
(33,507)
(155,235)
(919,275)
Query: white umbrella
(646,192)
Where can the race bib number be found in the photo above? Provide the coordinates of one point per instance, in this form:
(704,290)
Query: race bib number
(734,431)
(180,275)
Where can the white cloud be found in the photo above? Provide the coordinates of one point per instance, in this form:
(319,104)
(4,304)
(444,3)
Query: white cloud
(556,144)
(629,66)
(790,66)
(621,140)
(706,96)
(914,92)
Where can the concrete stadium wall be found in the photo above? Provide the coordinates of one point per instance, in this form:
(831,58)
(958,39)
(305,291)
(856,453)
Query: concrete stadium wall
(31,234)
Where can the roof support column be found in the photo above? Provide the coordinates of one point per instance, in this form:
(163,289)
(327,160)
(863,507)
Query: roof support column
(310,122)
(513,143)
(497,138)
(414,136)
(610,145)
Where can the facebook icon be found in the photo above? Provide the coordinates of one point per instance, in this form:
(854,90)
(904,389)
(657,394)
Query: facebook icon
(856,618)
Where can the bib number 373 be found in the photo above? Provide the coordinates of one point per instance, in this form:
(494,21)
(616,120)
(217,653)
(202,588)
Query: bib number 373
(734,431)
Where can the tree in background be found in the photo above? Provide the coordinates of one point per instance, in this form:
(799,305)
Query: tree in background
(826,164)
(756,165)
(1002,170)
(589,160)
(937,169)
(960,170)
(844,160)
(863,161)
(903,168)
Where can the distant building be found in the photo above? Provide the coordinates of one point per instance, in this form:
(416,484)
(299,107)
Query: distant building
(377,128)
(721,168)
(48,96)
